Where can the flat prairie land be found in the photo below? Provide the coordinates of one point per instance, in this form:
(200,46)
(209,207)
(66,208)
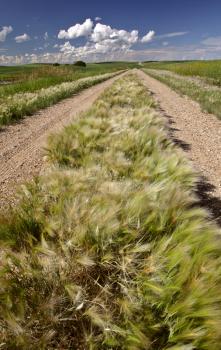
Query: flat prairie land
(31,77)
(17,73)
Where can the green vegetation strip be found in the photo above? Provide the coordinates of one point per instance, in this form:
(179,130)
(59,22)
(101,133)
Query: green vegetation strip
(30,78)
(209,71)
(209,99)
(108,249)
(19,105)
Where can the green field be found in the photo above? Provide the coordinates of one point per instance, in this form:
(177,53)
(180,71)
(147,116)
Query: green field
(34,87)
(210,71)
(29,78)
(15,107)
(108,250)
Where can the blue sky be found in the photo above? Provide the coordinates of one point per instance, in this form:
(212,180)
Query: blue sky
(64,31)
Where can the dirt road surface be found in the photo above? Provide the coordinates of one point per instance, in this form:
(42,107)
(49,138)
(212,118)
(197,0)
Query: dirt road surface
(198,134)
(21,144)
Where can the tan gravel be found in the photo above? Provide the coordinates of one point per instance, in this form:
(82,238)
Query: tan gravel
(198,133)
(21,144)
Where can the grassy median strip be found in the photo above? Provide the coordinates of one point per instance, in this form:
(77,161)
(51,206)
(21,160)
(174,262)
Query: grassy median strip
(107,250)
(16,106)
(208,97)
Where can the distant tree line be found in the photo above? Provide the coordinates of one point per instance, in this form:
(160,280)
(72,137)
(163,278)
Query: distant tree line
(77,63)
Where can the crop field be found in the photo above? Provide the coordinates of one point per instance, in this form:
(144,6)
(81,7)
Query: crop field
(108,248)
(39,86)
(201,81)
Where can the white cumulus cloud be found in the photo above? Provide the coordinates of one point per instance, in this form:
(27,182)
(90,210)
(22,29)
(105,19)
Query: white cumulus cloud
(103,32)
(22,38)
(77,30)
(101,39)
(67,48)
(148,37)
(106,39)
(101,43)
(4,32)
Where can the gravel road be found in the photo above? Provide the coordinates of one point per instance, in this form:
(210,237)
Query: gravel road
(198,134)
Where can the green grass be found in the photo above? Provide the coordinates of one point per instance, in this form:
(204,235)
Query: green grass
(15,107)
(208,98)
(210,71)
(33,83)
(107,249)
(12,73)
(30,78)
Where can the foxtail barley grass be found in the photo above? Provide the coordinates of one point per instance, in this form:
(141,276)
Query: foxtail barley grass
(107,250)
